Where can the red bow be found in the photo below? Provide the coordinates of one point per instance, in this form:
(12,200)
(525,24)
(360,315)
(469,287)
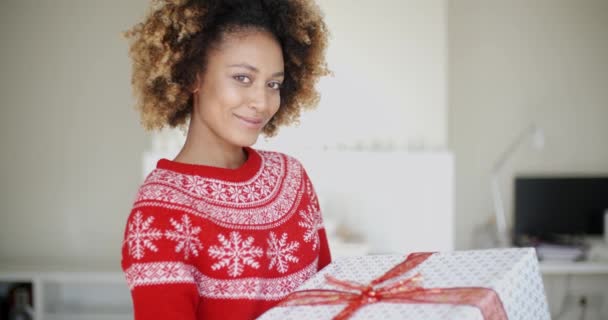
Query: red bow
(407,290)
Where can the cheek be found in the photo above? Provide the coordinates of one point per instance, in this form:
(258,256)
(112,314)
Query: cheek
(276,103)
(216,106)
(230,96)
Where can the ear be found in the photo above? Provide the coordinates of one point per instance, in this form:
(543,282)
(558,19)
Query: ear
(197,84)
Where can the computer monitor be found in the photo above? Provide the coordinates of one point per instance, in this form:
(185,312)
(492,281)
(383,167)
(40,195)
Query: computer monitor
(550,207)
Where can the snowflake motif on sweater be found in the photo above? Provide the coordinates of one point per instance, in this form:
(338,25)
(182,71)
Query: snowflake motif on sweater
(198,186)
(311,221)
(311,218)
(186,236)
(235,254)
(281,253)
(141,236)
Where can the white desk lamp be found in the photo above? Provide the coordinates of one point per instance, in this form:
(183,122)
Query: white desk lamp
(538,139)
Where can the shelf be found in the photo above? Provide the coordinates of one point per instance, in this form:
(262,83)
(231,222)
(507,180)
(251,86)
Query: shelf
(63,294)
(574,268)
(86,316)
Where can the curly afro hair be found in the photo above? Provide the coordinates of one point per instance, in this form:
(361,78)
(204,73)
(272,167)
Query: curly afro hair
(170,46)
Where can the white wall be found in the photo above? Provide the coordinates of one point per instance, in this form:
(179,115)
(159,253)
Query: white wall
(397,201)
(389,86)
(71,143)
(515,62)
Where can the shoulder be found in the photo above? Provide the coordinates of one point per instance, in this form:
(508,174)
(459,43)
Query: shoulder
(148,183)
(159,189)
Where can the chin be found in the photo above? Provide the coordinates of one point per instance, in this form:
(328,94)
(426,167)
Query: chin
(245,140)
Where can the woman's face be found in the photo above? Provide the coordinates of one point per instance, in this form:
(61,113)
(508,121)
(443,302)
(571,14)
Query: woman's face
(239,91)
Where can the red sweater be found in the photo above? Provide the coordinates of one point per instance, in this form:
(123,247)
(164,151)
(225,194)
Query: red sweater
(212,243)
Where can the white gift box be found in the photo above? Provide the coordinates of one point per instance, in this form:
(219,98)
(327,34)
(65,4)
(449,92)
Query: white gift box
(512,273)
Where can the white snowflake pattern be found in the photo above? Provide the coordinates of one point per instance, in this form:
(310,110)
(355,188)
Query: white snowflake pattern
(250,287)
(170,270)
(170,178)
(196,185)
(267,177)
(186,236)
(221,288)
(276,169)
(280,252)
(286,285)
(270,177)
(163,195)
(311,220)
(140,236)
(139,274)
(249,217)
(218,191)
(249,193)
(235,254)
(235,194)
(262,186)
(312,195)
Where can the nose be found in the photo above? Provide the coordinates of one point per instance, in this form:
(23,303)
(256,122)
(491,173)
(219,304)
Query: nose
(260,98)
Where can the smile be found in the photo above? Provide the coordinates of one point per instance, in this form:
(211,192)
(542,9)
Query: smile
(254,123)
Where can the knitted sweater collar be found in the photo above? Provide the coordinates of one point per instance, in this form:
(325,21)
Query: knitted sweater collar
(245,172)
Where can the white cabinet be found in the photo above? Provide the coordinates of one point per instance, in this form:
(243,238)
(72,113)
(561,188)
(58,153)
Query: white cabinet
(82,295)
(568,284)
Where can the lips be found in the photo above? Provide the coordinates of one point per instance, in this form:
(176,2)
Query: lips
(251,122)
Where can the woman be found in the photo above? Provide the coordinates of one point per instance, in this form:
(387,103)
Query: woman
(224,231)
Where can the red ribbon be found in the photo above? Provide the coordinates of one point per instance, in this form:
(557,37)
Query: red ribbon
(404,291)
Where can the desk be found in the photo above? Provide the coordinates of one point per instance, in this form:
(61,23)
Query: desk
(567,282)
(573,268)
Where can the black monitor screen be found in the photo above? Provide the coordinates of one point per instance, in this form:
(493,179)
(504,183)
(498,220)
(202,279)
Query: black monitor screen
(549,206)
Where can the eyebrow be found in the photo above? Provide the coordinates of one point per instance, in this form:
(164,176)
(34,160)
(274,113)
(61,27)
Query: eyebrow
(254,69)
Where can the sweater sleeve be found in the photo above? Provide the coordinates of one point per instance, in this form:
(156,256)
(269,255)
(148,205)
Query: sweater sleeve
(162,282)
(324,253)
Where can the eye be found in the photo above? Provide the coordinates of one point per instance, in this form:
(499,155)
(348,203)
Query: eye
(275,85)
(242,78)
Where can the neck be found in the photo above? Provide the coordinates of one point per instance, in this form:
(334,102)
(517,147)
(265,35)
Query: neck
(202,147)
